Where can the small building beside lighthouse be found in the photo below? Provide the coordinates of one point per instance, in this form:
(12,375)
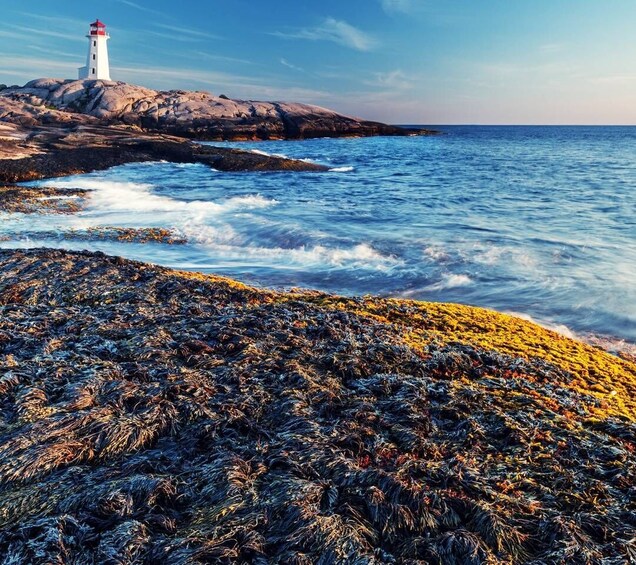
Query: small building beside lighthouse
(97,67)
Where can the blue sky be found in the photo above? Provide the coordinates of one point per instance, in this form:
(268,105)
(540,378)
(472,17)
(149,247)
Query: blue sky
(400,61)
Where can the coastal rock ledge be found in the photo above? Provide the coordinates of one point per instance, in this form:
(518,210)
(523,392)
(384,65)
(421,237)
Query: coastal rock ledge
(199,115)
(155,416)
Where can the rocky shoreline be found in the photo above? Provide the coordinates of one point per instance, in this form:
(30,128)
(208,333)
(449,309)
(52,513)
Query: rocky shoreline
(151,415)
(194,115)
(156,416)
(47,152)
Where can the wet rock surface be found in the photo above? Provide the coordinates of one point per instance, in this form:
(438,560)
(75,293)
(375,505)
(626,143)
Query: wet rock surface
(59,151)
(155,416)
(41,200)
(199,115)
(107,233)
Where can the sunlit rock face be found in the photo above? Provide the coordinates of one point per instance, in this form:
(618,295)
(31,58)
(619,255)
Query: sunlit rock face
(189,114)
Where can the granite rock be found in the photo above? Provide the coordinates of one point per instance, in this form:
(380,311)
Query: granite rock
(199,115)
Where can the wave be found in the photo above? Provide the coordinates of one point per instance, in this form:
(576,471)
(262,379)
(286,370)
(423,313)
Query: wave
(265,154)
(227,244)
(60,197)
(449,281)
(341,169)
(437,254)
(129,197)
(561,329)
(493,255)
(281,155)
(610,344)
(481,253)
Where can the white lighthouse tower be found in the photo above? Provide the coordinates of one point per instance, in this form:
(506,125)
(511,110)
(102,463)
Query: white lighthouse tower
(97,61)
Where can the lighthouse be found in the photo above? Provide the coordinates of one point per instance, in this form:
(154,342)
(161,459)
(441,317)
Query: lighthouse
(97,60)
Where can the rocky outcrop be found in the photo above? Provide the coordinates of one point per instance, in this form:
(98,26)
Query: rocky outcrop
(198,115)
(59,151)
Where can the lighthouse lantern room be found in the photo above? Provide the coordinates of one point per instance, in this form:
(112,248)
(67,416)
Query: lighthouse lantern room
(97,60)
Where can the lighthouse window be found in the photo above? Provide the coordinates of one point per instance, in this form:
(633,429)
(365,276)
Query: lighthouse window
(93,56)
(94,43)
(93,71)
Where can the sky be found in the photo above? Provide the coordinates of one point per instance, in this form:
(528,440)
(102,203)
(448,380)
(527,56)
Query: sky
(397,61)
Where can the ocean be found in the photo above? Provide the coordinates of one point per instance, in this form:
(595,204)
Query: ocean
(535,221)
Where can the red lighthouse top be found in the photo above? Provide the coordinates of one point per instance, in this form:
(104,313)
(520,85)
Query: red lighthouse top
(98,28)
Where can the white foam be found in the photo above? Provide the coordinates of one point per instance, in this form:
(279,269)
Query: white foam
(281,155)
(231,246)
(561,329)
(341,169)
(265,154)
(608,343)
(493,254)
(59,197)
(436,253)
(129,197)
(450,281)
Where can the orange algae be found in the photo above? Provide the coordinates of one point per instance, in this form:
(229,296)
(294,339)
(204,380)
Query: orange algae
(610,379)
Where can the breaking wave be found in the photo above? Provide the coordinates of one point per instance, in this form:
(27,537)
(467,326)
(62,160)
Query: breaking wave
(449,281)
(230,245)
(342,169)
(610,344)
(139,197)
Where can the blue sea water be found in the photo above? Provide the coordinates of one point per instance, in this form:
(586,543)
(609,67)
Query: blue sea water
(539,221)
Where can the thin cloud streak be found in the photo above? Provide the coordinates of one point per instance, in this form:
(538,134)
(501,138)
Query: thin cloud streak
(395,80)
(29,68)
(28,33)
(140,7)
(175,37)
(239,86)
(222,58)
(336,31)
(188,31)
(291,66)
(63,22)
(48,51)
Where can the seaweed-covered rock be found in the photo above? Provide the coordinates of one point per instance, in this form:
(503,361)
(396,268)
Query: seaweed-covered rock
(155,416)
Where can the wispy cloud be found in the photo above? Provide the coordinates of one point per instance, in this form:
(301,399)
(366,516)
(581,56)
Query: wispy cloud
(176,37)
(139,7)
(393,6)
(215,57)
(29,32)
(337,31)
(291,66)
(235,85)
(28,68)
(392,80)
(184,31)
(79,56)
(13,34)
(58,21)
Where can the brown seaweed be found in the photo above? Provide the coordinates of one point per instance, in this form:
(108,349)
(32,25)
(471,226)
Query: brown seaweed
(108,233)
(41,200)
(155,416)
